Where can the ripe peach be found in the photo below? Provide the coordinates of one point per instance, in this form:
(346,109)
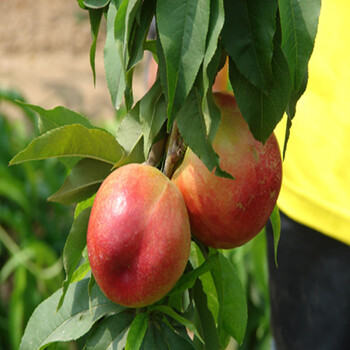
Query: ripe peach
(138,236)
(226,213)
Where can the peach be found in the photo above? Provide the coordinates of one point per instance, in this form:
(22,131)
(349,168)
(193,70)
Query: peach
(138,236)
(226,213)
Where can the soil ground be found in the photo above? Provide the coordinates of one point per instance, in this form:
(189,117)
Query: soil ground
(44,55)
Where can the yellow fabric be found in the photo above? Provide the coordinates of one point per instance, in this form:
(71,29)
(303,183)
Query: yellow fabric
(316,183)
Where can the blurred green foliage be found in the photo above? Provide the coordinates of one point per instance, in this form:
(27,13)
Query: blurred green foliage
(32,230)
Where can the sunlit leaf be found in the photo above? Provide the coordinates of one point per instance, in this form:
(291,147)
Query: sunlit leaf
(96,4)
(137,331)
(72,141)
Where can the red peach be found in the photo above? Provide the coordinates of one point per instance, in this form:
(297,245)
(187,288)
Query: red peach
(226,213)
(138,236)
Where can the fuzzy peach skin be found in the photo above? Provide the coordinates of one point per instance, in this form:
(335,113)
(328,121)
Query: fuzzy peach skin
(138,237)
(227,213)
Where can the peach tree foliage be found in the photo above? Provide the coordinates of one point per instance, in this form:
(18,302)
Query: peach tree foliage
(267,44)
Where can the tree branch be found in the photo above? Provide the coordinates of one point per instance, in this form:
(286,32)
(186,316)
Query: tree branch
(175,152)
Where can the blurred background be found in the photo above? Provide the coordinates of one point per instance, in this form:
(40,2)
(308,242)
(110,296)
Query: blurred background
(44,60)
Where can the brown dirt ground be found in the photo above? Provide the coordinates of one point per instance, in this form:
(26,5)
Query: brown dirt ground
(44,54)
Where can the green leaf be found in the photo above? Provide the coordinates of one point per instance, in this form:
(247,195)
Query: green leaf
(299,20)
(190,121)
(182,27)
(130,137)
(154,338)
(232,300)
(119,25)
(83,205)
(140,33)
(72,141)
(82,182)
(188,280)
(247,36)
(137,331)
(291,109)
(263,111)
(115,74)
(58,116)
(73,320)
(212,115)
(205,320)
(95,20)
(81,4)
(276,227)
(96,4)
(176,341)
(110,333)
(81,272)
(152,115)
(73,249)
(207,282)
(182,320)
(216,22)
(210,65)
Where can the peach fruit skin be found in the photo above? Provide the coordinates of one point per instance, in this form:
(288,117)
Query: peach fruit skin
(227,213)
(138,237)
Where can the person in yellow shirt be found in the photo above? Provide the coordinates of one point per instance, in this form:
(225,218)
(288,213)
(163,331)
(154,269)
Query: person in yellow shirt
(310,288)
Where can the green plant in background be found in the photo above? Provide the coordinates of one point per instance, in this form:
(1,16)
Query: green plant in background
(32,231)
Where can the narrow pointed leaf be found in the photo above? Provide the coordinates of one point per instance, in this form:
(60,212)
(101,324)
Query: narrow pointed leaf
(152,115)
(205,320)
(248,38)
(72,141)
(188,280)
(73,320)
(299,20)
(141,30)
(137,332)
(73,249)
(276,227)
(95,20)
(216,22)
(232,300)
(190,121)
(182,27)
(115,72)
(182,320)
(130,137)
